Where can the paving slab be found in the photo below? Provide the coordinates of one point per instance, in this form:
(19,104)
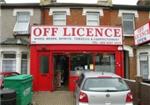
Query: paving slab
(53,98)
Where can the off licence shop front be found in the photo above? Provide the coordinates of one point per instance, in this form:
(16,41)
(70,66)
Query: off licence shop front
(60,53)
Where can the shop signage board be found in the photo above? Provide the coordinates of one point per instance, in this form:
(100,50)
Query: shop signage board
(76,35)
(142,34)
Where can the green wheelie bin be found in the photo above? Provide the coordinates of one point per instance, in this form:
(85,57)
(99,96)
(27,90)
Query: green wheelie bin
(22,84)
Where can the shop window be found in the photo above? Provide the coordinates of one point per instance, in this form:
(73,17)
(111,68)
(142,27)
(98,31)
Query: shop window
(9,62)
(24,63)
(59,18)
(105,62)
(81,62)
(92,18)
(128,23)
(44,64)
(144,65)
(22,23)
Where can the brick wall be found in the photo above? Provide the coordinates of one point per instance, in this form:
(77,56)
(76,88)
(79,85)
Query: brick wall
(140,91)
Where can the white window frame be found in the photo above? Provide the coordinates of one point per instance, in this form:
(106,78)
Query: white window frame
(0,13)
(136,15)
(22,30)
(22,59)
(54,10)
(95,20)
(131,20)
(144,57)
(57,9)
(60,18)
(99,10)
(23,26)
(8,59)
(15,11)
(93,10)
(142,49)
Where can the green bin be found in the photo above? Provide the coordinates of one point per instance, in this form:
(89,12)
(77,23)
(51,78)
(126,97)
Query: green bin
(22,84)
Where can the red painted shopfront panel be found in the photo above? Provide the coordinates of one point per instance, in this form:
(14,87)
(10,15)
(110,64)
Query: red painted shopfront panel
(44,81)
(72,82)
(119,63)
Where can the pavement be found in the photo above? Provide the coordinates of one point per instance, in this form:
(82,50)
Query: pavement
(53,98)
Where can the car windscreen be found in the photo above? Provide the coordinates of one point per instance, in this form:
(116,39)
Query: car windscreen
(105,84)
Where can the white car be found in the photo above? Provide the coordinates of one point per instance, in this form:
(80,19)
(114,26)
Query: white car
(101,88)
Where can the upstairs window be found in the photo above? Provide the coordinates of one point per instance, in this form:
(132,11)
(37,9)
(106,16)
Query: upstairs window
(59,18)
(128,23)
(92,18)
(22,23)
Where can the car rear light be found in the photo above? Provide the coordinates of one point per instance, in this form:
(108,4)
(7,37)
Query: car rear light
(129,97)
(83,97)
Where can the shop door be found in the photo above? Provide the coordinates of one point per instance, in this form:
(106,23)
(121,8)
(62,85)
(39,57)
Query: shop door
(44,80)
(61,71)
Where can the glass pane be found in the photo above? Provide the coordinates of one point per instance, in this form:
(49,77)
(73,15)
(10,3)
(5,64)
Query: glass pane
(59,18)
(81,62)
(9,56)
(23,17)
(144,65)
(9,65)
(93,19)
(105,84)
(105,62)
(128,23)
(144,69)
(92,23)
(24,56)
(128,27)
(23,66)
(59,22)
(92,16)
(21,28)
(128,16)
(44,64)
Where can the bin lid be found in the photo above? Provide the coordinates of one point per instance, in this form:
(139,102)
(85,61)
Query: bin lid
(6,91)
(19,77)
